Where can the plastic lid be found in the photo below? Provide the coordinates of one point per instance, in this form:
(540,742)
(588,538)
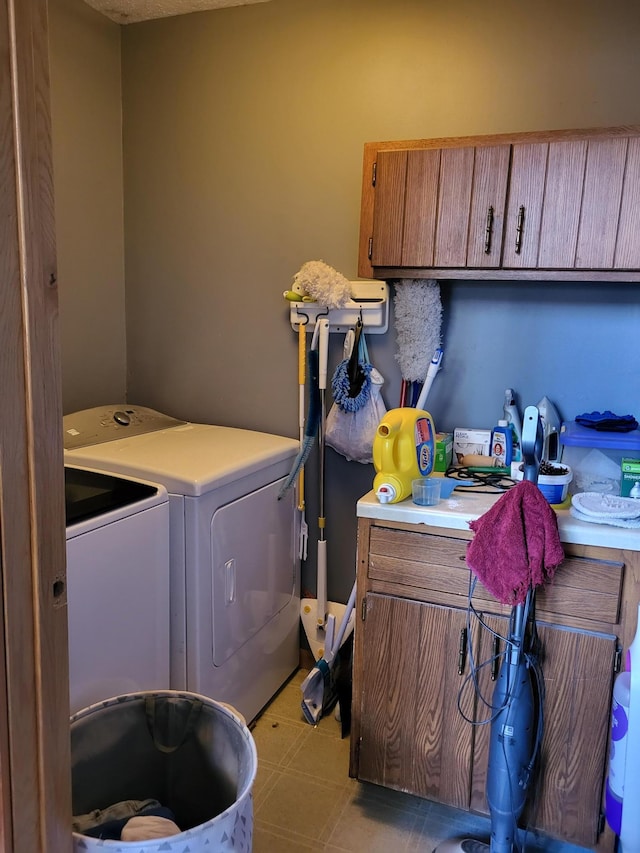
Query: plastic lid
(576,435)
(385,493)
(502,422)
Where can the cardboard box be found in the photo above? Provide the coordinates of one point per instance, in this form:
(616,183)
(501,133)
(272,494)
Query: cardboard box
(467,441)
(630,475)
(444,451)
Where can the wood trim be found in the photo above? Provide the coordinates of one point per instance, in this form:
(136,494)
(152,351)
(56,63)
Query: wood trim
(35,786)
(461,274)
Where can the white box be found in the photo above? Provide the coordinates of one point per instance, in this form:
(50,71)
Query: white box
(470,441)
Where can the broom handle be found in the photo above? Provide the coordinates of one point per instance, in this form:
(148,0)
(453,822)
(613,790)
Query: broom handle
(301,382)
(321,586)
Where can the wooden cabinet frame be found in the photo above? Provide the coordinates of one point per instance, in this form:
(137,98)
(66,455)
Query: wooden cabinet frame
(588,195)
(411,602)
(35,788)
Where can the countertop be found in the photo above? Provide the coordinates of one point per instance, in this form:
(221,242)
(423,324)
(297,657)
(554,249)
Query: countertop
(462,507)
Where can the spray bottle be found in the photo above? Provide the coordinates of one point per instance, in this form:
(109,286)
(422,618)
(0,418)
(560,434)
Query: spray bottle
(623,781)
(403,450)
(512,416)
(630,824)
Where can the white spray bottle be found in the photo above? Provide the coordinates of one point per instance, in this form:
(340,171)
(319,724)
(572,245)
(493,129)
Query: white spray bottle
(512,416)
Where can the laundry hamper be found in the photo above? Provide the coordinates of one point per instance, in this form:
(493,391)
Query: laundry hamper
(192,754)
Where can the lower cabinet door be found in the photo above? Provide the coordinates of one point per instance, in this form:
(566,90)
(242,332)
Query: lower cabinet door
(565,792)
(413,736)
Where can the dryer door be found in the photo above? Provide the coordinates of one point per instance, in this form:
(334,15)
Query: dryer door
(254,567)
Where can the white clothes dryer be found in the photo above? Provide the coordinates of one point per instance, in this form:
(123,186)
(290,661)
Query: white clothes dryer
(235,570)
(117,586)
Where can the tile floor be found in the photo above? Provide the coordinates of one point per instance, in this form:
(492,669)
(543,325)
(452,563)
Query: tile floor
(305,800)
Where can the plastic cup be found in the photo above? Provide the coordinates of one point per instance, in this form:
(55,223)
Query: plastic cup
(426,491)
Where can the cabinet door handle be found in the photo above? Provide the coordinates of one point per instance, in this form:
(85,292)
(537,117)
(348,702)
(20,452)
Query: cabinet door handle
(462,652)
(488,231)
(519,229)
(495,658)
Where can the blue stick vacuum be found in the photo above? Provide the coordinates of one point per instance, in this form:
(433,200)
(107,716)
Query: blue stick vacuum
(516,727)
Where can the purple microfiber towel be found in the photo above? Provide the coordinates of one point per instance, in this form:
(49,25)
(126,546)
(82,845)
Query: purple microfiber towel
(517,545)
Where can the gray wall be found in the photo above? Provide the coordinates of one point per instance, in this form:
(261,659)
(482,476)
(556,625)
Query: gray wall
(243,138)
(86,106)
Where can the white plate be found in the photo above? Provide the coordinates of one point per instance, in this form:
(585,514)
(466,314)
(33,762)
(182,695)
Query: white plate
(600,505)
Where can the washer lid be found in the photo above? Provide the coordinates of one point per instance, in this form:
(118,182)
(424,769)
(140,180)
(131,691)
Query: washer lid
(190,460)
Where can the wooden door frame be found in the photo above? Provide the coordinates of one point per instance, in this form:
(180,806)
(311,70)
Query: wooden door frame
(35,799)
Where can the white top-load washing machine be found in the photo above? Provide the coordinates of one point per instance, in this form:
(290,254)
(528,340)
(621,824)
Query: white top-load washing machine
(117,586)
(235,570)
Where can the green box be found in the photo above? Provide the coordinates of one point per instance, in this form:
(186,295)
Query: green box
(444,451)
(630,475)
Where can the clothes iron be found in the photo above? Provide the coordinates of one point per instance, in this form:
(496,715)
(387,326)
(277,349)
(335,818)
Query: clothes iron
(551,423)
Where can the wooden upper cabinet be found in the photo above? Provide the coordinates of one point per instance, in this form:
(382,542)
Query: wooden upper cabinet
(442,208)
(562,204)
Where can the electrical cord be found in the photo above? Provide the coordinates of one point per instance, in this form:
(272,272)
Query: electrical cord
(482,482)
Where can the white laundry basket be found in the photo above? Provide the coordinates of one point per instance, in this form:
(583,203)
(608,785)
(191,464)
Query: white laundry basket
(193,755)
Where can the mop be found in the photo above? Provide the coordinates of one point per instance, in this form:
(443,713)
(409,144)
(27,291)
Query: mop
(304,527)
(418,320)
(319,689)
(326,286)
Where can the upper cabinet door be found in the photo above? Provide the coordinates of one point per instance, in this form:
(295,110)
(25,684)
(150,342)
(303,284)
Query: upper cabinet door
(627,254)
(561,205)
(601,200)
(454,204)
(388,212)
(524,209)
(488,197)
(423,175)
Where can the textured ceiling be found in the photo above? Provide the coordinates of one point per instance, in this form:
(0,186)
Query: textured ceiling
(131,11)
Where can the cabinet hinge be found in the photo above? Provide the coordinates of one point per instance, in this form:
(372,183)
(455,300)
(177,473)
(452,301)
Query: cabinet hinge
(374,170)
(617,660)
(363,611)
(370,249)
(601,823)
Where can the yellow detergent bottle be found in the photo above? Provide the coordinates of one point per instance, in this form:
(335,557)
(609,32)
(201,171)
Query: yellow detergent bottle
(403,450)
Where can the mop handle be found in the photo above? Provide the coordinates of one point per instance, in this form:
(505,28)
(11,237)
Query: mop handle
(323,352)
(302,357)
(345,619)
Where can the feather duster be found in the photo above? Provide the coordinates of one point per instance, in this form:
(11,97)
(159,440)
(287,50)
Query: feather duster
(327,286)
(418,318)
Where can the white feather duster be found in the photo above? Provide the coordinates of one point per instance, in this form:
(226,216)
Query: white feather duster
(418,319)
(327,286)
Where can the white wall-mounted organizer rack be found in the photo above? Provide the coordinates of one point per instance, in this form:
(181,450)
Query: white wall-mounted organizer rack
(369,302)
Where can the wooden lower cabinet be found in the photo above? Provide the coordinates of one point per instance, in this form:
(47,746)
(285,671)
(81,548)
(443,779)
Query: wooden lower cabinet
(414,699)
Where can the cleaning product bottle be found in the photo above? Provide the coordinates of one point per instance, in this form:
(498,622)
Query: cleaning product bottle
(403,450)
(617,751)
(630,822)
(502,443)
(512,416)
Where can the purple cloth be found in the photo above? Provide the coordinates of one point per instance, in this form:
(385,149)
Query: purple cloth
(516,544)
